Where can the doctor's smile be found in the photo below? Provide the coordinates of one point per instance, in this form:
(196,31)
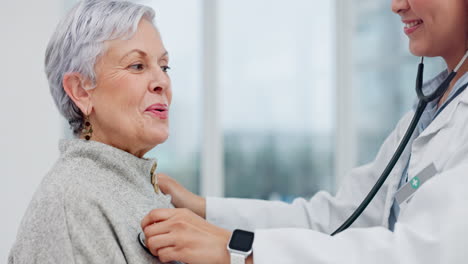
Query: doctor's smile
(106,199)
(412,25)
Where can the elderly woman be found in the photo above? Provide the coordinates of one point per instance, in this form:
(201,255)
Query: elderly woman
(107,71)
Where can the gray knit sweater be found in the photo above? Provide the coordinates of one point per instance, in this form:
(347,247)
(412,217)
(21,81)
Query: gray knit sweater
(88,208)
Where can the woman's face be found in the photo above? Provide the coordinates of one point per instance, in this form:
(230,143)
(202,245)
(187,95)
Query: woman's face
(133,92)
(434,27)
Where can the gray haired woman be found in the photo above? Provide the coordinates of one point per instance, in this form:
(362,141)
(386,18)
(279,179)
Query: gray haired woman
(107,71)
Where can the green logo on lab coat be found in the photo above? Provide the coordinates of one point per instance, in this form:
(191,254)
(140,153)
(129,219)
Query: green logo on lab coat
(415,182)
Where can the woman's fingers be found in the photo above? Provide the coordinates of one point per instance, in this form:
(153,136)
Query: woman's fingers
(157,229)
(166,183)
(156,215)
(181,197)
(168,254)
(158,242)
(160,221)
(186,237)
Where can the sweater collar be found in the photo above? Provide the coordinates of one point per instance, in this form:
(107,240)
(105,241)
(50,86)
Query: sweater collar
(131,166)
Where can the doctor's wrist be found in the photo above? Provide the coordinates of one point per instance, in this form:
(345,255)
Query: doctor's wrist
(200,209)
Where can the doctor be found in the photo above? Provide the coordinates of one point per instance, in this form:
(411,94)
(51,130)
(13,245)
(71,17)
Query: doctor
(420,215)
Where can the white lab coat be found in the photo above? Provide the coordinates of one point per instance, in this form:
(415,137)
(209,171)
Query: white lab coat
(433,228)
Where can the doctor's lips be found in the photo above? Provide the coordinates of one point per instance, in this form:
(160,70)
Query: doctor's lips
(159,110)
(412,25)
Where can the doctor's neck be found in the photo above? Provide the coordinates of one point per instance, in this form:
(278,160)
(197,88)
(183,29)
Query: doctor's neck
(452,63)
(454,58)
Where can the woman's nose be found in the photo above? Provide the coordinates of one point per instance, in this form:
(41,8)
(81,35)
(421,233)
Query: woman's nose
(399,6)
(160,82)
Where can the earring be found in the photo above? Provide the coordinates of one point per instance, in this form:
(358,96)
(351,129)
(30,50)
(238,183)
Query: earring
(88,128)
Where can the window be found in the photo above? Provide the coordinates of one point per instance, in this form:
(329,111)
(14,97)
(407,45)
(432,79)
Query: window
(277,97)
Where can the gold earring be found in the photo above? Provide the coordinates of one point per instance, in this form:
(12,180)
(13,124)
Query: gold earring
(88,128)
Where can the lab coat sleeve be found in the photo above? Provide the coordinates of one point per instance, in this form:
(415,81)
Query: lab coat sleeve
(323,212)
(432,229)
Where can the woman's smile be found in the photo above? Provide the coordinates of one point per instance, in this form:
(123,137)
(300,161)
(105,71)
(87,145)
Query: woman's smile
(412,25)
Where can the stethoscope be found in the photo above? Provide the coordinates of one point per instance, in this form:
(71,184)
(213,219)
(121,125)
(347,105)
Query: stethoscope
(423,101)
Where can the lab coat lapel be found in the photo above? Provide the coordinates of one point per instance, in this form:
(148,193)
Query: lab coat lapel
(464,96)
(444,118)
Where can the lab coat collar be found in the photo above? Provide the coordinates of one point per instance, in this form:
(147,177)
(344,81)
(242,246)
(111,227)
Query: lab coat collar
(463,81)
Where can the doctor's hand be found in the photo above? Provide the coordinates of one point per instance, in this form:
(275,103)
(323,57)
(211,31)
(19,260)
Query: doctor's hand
(181,235)
(181,197)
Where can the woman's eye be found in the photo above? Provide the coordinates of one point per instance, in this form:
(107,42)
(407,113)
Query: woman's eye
(165,68)
(137,67)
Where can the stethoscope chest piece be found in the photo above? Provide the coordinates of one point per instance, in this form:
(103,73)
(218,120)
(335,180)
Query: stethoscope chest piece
(141,239)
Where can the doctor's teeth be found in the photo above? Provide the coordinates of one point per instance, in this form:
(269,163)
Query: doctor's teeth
(412,24)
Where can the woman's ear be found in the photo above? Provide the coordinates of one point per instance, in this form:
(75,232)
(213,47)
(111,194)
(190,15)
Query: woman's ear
(75,86)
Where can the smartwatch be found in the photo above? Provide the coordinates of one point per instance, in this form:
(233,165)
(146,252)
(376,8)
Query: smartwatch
(240,246)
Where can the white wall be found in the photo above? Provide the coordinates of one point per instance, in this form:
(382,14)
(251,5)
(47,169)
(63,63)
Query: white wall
(29,122)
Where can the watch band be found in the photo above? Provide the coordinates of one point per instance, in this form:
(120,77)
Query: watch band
(237,258)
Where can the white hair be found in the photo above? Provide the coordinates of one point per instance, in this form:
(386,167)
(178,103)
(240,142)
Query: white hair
(79,40)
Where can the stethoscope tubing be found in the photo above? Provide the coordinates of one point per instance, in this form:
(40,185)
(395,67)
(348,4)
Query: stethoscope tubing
(423,101)
(386,171)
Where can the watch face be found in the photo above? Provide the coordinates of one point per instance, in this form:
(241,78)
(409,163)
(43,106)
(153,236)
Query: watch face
(241,240)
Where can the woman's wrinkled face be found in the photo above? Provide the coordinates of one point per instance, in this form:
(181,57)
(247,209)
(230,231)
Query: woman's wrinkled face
(434,27)
(133,92)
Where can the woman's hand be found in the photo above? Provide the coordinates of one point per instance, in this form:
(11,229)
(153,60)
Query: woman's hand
(181,235)
(181,197)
